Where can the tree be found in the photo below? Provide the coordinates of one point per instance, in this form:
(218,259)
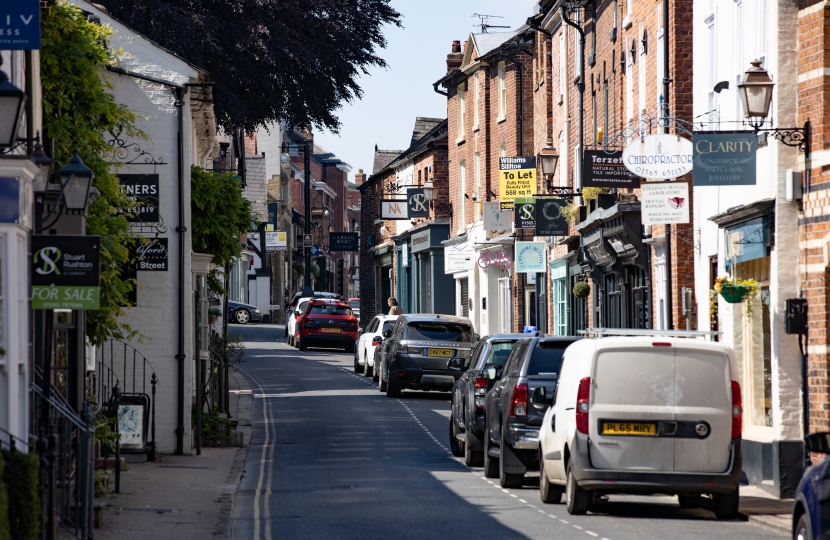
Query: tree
(272,60)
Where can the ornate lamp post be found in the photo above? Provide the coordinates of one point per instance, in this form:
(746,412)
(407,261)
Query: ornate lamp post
(549,157)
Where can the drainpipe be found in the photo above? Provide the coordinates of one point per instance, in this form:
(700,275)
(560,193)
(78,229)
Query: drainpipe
(581,87)
(665,112)
(181,229)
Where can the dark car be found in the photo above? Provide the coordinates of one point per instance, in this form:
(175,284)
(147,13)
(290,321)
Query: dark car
(469,392)
(326,323)
(515,407)
(811,509)
(424,352)
(243,313)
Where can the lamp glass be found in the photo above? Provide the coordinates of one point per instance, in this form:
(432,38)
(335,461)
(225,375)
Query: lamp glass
(756,91)
(549,158)
(429,191)
(76,192)
(11,112)
(44,169)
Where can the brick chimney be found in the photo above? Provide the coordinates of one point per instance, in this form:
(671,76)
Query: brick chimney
(360,177)
(455,57)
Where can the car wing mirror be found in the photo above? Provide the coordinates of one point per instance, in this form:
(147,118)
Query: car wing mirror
(359,331)
(377,340)
(387,333)
(456,364)
(538,399)
(818,443)
(491,373)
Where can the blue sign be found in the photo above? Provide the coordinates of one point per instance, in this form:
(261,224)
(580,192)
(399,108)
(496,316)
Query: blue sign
(724,158)
(315,250)
(20,25)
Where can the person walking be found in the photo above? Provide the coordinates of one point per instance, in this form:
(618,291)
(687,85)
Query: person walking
(394,308)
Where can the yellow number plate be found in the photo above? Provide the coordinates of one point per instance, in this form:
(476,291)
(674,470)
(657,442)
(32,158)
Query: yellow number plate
(331,330)
(443,353)
(629,428)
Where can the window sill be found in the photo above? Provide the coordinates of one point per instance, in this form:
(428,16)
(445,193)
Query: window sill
(459,140)
(475,128)
(627,22)
(501,119)
(561,99)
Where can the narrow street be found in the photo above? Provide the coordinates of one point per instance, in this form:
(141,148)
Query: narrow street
(331,457)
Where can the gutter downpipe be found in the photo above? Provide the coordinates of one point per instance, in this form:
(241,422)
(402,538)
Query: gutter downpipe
(181,229)
(581,88)
(665,112)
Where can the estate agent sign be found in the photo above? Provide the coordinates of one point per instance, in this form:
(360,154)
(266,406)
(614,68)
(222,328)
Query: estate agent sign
(517,178)
(724,159)
(344,241)
(606,169)
(664,202)
(65,272)
(276,241)
(530,258)
(659,156)
(525,210)
(143,189)
(549,219)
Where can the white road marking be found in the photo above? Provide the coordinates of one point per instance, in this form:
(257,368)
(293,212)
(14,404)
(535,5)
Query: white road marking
(591,533)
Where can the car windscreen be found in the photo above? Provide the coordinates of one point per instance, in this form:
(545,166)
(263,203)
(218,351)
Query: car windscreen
(301,306)
(439,331)
(387,325)
(354,304)
(499,352)
(330,310)
(546,359)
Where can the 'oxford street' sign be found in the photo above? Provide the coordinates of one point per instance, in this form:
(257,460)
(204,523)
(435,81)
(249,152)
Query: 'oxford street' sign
(152,255)
(724,159)
(66,272)
(659,156)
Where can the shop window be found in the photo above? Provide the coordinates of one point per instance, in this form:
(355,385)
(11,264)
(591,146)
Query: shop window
(757,344)
(505,306)
(560,307)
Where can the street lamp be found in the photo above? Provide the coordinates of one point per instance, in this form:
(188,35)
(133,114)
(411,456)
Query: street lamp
(75,179)
(12,99)
(549,158)
(429,191)
(44,169)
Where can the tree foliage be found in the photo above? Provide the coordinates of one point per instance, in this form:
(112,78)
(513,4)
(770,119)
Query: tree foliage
(272,60)
(77,111)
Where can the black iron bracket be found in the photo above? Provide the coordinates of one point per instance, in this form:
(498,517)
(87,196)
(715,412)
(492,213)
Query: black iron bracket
(792,137)
(559,192)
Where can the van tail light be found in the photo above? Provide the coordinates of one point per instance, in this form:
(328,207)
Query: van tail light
(480,392)
(582,396)
(737,411)
(518,405)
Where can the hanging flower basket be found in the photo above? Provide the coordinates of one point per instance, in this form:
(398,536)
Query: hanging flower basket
(735,294)
(581,289)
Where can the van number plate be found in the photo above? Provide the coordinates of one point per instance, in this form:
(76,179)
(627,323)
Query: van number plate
(629,428)
(443,353)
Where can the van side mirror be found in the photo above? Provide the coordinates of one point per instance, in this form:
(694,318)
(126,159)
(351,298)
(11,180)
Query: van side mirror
(818,443)
(387,332)
(456,364)
(538,398)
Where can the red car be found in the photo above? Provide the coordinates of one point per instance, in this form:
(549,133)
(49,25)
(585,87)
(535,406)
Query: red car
(326,323)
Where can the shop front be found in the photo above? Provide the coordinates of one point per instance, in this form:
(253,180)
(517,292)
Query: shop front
(422,266)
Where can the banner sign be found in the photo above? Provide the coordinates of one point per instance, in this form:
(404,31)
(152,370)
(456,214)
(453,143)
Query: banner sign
(531,258)
(496,219)
(152,256)
(659,156)
(65,272)
(416,203)
(393,209)
(142,189)
(606,169)
(517,177)
(525,212)
(20,25)
(724,159)
(549,219)
(344,241)
(276,241)
(664,202)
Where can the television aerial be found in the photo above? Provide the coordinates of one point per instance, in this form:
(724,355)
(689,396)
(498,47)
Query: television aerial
(483,22)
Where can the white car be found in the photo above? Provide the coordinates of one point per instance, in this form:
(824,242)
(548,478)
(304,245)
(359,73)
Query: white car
(291,325)
(364,354)
(643,415)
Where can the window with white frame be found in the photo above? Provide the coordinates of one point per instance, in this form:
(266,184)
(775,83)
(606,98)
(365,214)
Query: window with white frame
(641,70)
(629,83)
(761,30)
(503,149)
(738,54)
(476,94)
(563,65)
(462,190)
(629,10)
(505,305)
(502,90)
(660,57)
(477,185)
(461,102)
(710,60)
(563,167)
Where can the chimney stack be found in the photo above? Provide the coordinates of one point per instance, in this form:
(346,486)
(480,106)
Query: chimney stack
(455,57)
(359,178)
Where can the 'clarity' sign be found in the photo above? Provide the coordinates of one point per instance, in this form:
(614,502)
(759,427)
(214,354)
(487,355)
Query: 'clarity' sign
(531,258)
(724,159)
(664,202)
(517,178)
(65,272)
(659,156)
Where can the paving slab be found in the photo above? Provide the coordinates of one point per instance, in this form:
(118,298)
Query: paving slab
(763,509)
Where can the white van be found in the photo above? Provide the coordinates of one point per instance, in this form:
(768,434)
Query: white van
(645,415)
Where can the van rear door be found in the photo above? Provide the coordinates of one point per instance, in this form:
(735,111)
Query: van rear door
(633,397)
(704,396)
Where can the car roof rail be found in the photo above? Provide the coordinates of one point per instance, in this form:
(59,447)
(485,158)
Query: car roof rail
(603,332)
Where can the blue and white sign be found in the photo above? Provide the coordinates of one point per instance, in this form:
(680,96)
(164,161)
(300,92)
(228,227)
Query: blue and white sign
(531,258)
(20,25)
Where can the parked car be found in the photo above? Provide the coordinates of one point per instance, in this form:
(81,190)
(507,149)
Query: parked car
(511,432)
(469,392)
(419,351)
(368,340)
(242,313)
(292,306)
(643,415)
(326,323)
(354,303)
(291,324)
(811,509)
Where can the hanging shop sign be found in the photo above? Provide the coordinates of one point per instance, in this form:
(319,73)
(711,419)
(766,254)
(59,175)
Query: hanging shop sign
(344,241)
(659,156)
(420,241)
(496,219)
(276,241)
(724,159)
(65,272)
(549,218)
(524,211)
(457,261)
(20,25)
(152,256)
(393,209)
(517,178)
(143,190)
(531,258)
(416,203)
(500,258)
(664,202)
(606,169)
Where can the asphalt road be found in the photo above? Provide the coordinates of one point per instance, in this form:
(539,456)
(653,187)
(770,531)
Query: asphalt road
(332,457)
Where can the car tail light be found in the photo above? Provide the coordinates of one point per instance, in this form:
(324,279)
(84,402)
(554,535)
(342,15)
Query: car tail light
(518,406)
(582,396)
(661,344)
(480,391)
(737,411)
(403,349)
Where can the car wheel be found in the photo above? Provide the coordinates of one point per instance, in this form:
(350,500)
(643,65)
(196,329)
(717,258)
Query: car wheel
(491,464)
(549,493)
(689,501)
(725,505)
(367,369)
(302,344)
(508,480)
(578,499)
(289,339)
(242,316)
(392,390)
(455,446)
(802,529)
(357,367)
(472,458)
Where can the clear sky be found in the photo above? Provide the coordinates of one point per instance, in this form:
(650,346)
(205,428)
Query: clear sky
(417,55)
